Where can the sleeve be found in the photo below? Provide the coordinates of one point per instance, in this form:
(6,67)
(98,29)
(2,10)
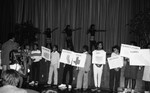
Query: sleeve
(88,65)
(58,60)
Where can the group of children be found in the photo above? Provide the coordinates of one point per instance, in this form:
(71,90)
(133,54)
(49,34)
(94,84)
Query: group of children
(130,72)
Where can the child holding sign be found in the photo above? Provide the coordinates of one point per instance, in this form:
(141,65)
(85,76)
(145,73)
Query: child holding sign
(54,66)
(98,68)
(146,76)
(114,73)
(83,72)
(67,68)
(130,74)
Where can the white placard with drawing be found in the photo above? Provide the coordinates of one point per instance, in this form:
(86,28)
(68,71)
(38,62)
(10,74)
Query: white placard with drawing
(66,56)
(79,59)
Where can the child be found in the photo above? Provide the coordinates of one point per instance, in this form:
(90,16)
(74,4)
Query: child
(67,68)
(130,74)
(83,72)
(54,66)
(114,73)
(146,76)
(36,57)
(98,68)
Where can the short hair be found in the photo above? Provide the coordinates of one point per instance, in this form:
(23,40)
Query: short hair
(99,42)
(86,47)
(117,47)
(92,25)
(133,43)
(11,35)
(35,44)
(147,45)
(56,46)
(10,77)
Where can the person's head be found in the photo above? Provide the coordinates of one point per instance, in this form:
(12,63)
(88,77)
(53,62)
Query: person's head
(92,26)
(85,48)
(68,27)
(148,45)
(48,29)
(35,46)
(70,48)
(11,36)
(55,48)
(133,43)
(10,77)
(116,49)
(27,47)
(99,45)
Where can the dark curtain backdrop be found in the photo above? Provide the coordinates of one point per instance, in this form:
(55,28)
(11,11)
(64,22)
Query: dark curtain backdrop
(109,15)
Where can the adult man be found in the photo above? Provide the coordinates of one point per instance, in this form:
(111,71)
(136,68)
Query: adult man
(10,79)
(6,48)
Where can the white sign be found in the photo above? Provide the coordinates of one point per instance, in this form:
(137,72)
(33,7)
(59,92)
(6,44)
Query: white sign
(99,57)
(66,56)
(140,57)
(46,53)
(125,50)
(79,59)
(115,62)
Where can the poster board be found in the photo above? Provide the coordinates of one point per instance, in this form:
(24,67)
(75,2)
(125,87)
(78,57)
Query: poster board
(66,57)
(46,53)
(99,57)
(115,62)
(79,59)
(125,50)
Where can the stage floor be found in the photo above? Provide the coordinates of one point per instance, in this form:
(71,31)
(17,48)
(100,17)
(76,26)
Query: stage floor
(41,88)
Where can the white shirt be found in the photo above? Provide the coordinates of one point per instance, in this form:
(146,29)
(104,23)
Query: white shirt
(55,56)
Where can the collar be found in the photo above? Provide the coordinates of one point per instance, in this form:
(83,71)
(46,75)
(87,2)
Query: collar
(85,52)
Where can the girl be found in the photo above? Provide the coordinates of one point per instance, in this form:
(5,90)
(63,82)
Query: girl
(98,68)
(130,74)
(114,73)
(146,76)
(67,69)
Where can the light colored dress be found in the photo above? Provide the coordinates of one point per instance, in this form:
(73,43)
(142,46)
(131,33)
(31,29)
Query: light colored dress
(146,74)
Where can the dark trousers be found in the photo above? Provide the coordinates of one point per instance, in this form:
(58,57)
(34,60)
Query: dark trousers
(92,44)
(35,71)
(68,68)
(114,81)
(147,86)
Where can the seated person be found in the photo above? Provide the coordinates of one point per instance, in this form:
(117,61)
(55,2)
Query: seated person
(10,79)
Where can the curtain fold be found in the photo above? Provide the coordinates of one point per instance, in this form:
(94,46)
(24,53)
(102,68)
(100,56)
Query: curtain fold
(109,15)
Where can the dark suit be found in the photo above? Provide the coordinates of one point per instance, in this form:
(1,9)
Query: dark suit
(6,48)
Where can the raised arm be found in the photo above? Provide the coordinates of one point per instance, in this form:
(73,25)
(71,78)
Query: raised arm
(100,30)
(54,29)
(76,29)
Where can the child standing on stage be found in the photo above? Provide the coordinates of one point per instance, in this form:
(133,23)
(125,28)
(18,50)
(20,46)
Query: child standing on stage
(36,57)
(67,68)
(130,74)
(98,69)
(146,76)
(83,72)
(54,66)
(114,80)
